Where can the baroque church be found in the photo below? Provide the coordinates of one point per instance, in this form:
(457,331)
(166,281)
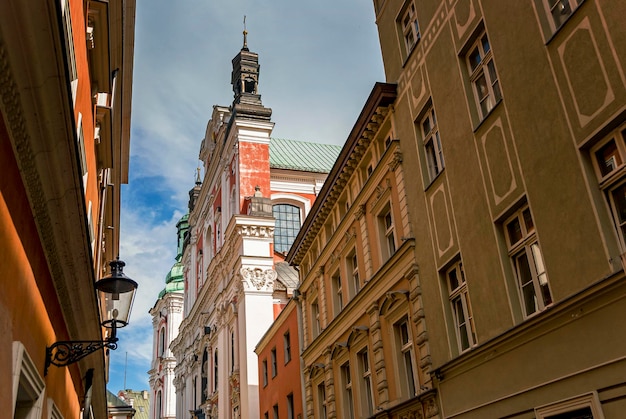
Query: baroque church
(230,280)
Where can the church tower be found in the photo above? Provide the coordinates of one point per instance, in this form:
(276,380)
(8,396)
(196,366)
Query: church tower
(167,315)
(232,290)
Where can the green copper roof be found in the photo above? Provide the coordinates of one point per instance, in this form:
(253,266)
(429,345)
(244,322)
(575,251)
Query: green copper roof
(301,156)
(175,274)
(172,287)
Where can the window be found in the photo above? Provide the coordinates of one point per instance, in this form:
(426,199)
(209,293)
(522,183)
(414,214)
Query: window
(587,406)
(365,388)
(81,150)
(315,320)
(264,372)
(532,279)
(347,401)
(274,363)
(53,410)
(232,351)
(321,400)
(69,47)
(290,414)
(29,384)
(608,159)
(337,293)
(159,403)
(388,236)
(204,376)
(410,28)
(461,309)
(405,352)
(275,411)
(432,144)
(561,10)
(287,226)
(483,75)
(162,341)
(215,371)
(287,343)
(353,270)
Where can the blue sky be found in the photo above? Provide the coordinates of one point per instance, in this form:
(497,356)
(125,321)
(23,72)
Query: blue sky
(319,61)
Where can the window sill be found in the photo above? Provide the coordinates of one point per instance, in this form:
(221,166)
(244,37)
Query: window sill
(432,182)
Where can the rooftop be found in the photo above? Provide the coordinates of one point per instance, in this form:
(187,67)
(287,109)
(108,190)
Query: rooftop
(302,156)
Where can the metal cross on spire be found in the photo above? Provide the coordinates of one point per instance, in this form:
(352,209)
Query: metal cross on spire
(245,33)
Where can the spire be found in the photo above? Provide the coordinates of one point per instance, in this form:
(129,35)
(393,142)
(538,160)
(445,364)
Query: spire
(245,81)
(245,35)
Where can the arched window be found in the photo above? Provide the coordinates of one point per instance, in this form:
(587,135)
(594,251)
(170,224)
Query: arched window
(287,226)
(159,405)
(205,375)
(162,341)
(215,380)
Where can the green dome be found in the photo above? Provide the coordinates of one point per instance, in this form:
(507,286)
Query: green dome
(175,274)
(172,287)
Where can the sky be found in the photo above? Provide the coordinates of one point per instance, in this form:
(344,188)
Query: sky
(319,61)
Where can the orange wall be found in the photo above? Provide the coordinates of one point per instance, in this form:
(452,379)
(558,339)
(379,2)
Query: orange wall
(287,380)
(29,308)
(253,169)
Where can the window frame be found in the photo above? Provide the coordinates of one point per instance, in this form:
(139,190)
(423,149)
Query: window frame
(408,27)
(26,377)
(274,360)
(405,350)
(352,262)
(460,294)
(387,239)
(573,5)
(483,68)
(322,404)
(431,140)
(287,346)
(347,393)
(588,400)
(316,325)
(290,407)
(264,372)
(366,385)
(291,232)
(527,245)
(337,290)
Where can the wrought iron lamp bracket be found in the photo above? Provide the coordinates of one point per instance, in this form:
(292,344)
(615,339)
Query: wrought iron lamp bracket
(67,352)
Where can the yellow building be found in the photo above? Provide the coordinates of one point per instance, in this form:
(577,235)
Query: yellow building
(365,344)
(65,98)
(511,120)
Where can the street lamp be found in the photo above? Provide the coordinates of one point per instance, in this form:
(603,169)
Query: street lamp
(116,293)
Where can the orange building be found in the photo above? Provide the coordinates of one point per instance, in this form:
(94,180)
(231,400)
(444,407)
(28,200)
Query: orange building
(65,87)
(280,388)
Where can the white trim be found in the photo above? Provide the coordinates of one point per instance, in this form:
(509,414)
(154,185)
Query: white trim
(590,400)
(25,373)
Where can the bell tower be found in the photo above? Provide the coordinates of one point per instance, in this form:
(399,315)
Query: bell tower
(245,80)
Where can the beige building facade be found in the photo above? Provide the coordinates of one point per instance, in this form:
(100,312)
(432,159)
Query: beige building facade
(365,345)
(511,121)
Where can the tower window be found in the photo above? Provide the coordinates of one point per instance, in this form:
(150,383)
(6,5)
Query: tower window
(287,226)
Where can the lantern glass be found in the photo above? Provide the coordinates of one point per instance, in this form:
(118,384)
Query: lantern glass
(116,293)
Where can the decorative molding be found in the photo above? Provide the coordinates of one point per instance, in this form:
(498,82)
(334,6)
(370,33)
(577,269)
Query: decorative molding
(359,212)
(255,231)
(396,160)
(258,278)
